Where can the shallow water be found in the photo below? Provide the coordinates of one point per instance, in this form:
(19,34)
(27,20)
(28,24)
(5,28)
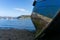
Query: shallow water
(17,24)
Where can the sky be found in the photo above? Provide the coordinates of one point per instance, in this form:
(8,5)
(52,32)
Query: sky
(15,8)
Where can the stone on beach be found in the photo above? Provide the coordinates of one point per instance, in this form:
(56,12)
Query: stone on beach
(15,34)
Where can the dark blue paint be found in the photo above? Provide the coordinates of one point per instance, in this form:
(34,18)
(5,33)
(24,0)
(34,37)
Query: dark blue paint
(47,8)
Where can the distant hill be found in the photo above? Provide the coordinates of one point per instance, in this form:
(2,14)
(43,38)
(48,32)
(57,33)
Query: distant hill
(24,16)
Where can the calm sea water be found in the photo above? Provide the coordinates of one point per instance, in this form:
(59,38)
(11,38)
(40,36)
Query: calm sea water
(17,24)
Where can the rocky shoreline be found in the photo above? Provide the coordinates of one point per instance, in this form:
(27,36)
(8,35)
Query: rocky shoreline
(16,34)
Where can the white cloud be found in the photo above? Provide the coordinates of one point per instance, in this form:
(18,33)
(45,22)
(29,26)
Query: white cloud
(21,10)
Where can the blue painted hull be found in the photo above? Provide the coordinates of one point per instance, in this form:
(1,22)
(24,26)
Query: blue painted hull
(43,13)
(47,8)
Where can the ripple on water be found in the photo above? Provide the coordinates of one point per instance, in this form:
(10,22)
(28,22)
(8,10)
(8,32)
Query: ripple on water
(17,24)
